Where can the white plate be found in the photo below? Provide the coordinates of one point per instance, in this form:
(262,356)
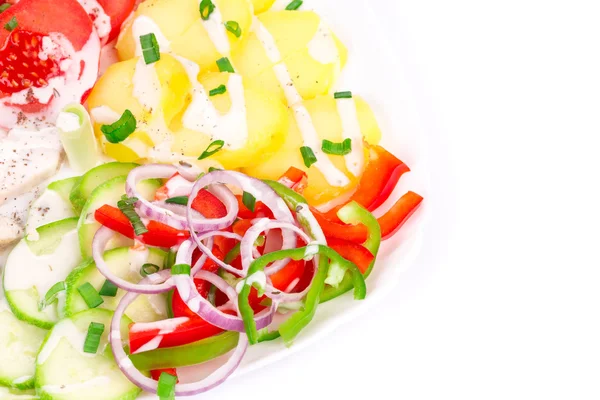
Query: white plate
(373,72)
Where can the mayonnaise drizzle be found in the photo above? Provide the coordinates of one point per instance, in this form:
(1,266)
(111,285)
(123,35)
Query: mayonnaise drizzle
(355,160)
(216,30)
(101,19)
(322,47)
(334,176)
(144,25)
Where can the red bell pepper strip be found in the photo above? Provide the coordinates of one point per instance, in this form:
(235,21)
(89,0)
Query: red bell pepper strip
(354,252)
(382,173)
(209,205)
(390,222)
(295,179)
(155,373)
(159,234)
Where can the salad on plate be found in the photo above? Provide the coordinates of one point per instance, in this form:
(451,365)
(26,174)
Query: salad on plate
(179,180)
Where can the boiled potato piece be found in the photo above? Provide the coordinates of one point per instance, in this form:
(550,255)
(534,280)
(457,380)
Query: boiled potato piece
(180,23)
(326,119)
(314,56)
(262,5)
(114,92)
(267,121)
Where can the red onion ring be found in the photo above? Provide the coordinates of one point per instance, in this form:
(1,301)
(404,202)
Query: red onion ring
(150,385)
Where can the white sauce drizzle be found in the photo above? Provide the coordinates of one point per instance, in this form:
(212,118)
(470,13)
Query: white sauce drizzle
(152,344)
(49,207)
(355,160)
(104,115)
(216,31)
(334,176)
(146,85)
(165,326)
(258,277)
(101,19)
(322,47)
(144,25)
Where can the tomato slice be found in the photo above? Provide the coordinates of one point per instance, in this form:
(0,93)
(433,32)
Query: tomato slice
(48,60)
(116,11)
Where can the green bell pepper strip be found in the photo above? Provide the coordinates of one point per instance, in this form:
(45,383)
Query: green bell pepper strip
(189,354)
(354,213)
(299,320)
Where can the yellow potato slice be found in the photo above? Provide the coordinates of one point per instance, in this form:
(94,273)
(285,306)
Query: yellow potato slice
(261,6)
(326,119)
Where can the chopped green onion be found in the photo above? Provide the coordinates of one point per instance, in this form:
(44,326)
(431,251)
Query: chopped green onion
(249,201)
(149,269)
(92,340)
(90,295)
(218,90)
(234,27)
(52,295)
(12,24)
(150,48)
(308,156)
(212,295)
(342,95)
(120,130)
(212,169)
(181,269)
(126,207)
(166,386)
(337,149)
(181,200)
(170,259)
(109,289)
(206,8)
(212,149)
(4,7)
(294,5)
(225,65)
(170,313)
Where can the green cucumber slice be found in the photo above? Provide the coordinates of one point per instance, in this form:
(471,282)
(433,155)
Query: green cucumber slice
(108,193)
(17,394)
(34,266)
(19,344)
(65,372)
(126,264)
(53,205)
(64,187)
(94,178)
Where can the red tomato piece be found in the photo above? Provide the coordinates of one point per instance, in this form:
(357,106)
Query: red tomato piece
(155,373)
(117,11)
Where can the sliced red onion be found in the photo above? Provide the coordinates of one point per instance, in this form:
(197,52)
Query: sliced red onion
(150,385)
(160,214)
(101,239)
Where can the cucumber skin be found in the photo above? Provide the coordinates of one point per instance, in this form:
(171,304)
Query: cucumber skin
(28,384)
(133,394)
(103,173)
(50,227)
(64,188)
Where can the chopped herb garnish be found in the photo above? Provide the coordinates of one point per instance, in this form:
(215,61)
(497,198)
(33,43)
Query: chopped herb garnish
(181,200)
(342,95)
(308,156)
(170,259)
(90,295)
(120,130)
(12,24)
(126,205)
(52,295)
(166,386)
(4,7)
(212,169)
(150,48)
(92,340)
(294,5)
(206,8)
(108,289)
(337,149)
(249,201)
(149,269)
(212,148)
(225,65)
(234,27)
(218,90)
(181,269)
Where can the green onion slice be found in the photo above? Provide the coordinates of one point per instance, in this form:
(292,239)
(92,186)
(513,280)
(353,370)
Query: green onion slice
(126,207)
(52,295)
(337,149)
(90,295)
(212,169)
(149,269)
(181,269)
(166,386)
(308,156)
(150,48)
(12,24)
(212,148)
(181,200)
(218,90)
(206,8)
(108,289)
(120,130)
(4,7)
(342,95)
(249,201)
(170,259)
(294,5)
(225,65)
(92,340)
(234,27)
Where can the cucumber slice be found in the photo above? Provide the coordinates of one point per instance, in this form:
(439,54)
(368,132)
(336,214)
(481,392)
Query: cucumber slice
(108,193)
(94,178)
(64,187)
(33,267)
(65,372)
(53,205)
(125,263)
(19,344)
(16,394)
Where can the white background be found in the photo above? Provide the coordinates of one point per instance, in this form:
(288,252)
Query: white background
(504,300)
